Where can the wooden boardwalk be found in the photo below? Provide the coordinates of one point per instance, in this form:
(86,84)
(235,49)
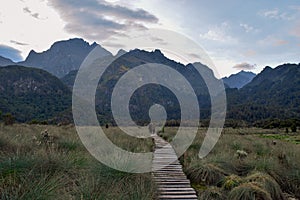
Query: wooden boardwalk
(172,183)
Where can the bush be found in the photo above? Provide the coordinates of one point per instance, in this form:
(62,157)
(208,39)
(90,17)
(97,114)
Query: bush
(8,119)
(294,128)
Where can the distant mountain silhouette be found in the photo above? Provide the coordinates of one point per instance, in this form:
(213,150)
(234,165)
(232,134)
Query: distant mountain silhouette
(5,61)
(62,57)
(239,80)
(30,93)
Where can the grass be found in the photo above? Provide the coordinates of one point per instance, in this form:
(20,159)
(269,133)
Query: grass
(65,170)
(271,169)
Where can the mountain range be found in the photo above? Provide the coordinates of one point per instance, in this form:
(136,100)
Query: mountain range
(44,92)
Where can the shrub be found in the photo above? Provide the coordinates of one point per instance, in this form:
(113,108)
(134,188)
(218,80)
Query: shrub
(8,119)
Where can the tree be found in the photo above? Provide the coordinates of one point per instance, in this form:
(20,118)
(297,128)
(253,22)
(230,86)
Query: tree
(8,119)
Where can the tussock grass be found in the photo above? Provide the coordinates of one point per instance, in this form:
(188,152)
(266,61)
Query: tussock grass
(267,183)
(277,163)
(249,191)
(212,193)
(65,170)
(231,182)
(206,173)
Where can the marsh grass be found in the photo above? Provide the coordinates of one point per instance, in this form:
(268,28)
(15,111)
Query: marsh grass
(248,191)
(64,170)
(212,193)
(206,173)
(277,163)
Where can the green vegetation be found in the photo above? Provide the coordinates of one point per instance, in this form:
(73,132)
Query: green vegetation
(64,169)
(29,93)
(270,170)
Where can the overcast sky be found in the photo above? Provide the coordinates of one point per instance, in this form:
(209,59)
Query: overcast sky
(237,35)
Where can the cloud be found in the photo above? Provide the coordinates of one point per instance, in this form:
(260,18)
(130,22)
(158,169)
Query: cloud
(244,66)
(293,7)
(280,42)
(272,41)
(248,28)
(276,14)
(114,45)
(250,53)
(34,15)
(158,40)
(11,53)
(98,20)
(195,56)
(296,30)
(219,34)
(18,43)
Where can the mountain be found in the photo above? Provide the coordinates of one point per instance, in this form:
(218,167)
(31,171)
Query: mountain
(5,61)
(30,93)
(274,93)
(144,97)
(62,57)
(239,80)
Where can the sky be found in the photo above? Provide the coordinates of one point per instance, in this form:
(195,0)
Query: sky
(237,35)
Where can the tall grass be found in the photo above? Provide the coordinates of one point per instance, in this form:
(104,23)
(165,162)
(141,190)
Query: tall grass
(277,163)
(64,170)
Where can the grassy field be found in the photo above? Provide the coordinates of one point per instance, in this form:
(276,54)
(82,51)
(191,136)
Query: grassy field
(269,170)
(63,169)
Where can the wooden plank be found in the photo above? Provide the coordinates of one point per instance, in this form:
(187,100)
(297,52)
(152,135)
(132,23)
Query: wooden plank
(172,183)
(177,197)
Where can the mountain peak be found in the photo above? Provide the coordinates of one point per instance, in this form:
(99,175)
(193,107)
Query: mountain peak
(62,57)
(239,79)
(121,52)
(158,52)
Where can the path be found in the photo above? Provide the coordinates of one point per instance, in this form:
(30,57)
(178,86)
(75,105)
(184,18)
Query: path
(171,181)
